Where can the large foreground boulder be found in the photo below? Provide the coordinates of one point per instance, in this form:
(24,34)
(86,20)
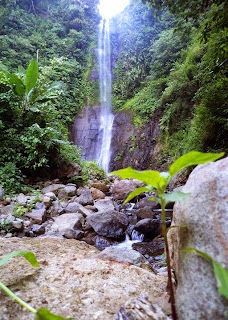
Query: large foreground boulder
(70,283)
(204,220)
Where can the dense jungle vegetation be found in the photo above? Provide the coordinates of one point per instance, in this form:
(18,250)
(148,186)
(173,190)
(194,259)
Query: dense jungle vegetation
(176,62)
(170,55)
(34,119)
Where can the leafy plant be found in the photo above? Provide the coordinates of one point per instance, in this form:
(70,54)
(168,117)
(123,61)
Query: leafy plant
(157,183)
(6,225)
(42,313)
(19,210)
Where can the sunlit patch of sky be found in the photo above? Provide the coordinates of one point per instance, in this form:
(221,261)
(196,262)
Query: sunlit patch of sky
(110,8)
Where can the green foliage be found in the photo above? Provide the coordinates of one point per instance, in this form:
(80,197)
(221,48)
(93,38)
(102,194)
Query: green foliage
(44,314)
(29,256)
(6,225)
(220,272)
(19,210)
(11,178)
(91,171)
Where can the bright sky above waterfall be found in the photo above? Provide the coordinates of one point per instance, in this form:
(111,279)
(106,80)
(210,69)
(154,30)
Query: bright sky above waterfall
(110,8)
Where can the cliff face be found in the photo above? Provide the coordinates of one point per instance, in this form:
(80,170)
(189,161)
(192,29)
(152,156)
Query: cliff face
(130,146)
(134,147)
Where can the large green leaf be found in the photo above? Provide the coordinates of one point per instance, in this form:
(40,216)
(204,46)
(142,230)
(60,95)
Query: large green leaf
(150,177)
(45,314)
(220,272)
(193,158)
(222,278)
(19,86)
(27,254)
(175,196)
(31,76)
(136,192)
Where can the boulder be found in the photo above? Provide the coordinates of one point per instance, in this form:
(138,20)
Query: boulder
(77,207)
(205,217)
(100,186)
(143,208)
(121,189)
(121,255)
(38,229)
(73,234)
(68,191)
(151,228)
(7,210)
(1,193)
(56,209)
(47,201)
(66,221)
(53,188)
(104,205)
(97,194)
(22,199)
(101,242)
(109,224)
(68,170)
(37,215)
(85,197)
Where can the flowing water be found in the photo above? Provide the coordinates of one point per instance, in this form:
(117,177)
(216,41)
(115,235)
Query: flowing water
(105,81)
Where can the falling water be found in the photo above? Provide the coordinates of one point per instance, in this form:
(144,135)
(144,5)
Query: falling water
(105,80)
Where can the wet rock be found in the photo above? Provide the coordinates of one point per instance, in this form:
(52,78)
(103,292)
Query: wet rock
(53,188)
(150,249)
(37,215)
(205,215)
(121,255)
(85,197)
(143,208)
(68,191)
(151,228)
(97,194)
(100,186)
(38,229)
(7,210)
(1,193)
(109,224)
(66,221)
(104,205)
(101,243)
(73,234)
(121,189)
(141,309)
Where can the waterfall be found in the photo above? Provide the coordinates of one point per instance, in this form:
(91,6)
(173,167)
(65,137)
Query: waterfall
(105,82)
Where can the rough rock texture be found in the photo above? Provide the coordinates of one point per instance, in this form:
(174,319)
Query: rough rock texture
(205,215)
(104,205)
(53,187)
(110,224)
(68,170)
(72,284)
(97,194)
(141,309)
(1,193)
(37,215)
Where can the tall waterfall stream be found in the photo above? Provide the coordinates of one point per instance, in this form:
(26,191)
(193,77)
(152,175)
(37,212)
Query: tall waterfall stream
(105,81)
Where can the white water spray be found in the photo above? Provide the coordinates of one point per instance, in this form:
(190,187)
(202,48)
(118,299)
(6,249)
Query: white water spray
(105,81)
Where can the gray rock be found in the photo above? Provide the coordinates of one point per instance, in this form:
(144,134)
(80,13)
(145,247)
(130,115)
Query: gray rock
(121,255)
(97,194)
(51,195)
(68,170)
(121,189)
(73,234)
(85,198)
(1,193)
(109,224)
(22,199)
(68,191)
(100,186)
(101,242)
(37,216)
(104,205)
(52,188)
(66,221)
(205,215)
(39,205)
(37,229)
(47,201)
(76,207)
(55,209)
(18,225)
(151,228)
(7,210)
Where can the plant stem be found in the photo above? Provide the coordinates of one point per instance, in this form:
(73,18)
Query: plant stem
(16,298)
(170,285)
